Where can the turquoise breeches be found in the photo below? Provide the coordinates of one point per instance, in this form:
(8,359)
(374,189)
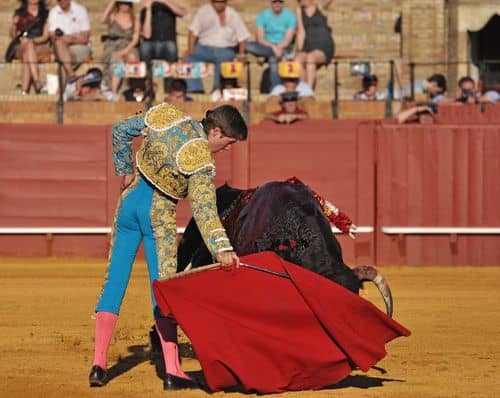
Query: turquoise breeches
(143,214)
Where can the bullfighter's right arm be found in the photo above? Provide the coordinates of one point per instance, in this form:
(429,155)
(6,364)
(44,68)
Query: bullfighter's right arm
(122,135)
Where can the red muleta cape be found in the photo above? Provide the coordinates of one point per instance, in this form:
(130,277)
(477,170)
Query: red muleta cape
(271,333)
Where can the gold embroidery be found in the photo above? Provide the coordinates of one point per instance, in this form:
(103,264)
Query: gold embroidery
(203,205)
(162,116)
(164,228)
(194,156)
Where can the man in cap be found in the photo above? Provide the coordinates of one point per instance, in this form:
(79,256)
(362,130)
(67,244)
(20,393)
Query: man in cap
(276,27)
(88,88)
(290,111)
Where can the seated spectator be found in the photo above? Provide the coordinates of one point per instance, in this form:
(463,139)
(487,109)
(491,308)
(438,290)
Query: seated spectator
(69,29)
(139,90)
(436,87)
(230,89)
(289,74)
(315,46)
(423,112)
(213,35)
(369,89)
(276,27)
(290,111)
(176,91)
(29,28)
(89,88)
(158,30)
(121,40)
(468,94)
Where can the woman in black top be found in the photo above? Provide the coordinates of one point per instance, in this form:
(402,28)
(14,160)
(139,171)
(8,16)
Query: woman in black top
(30,23)
(314,39)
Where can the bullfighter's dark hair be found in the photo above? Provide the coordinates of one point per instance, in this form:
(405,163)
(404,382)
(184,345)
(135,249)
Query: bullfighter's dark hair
(228,119)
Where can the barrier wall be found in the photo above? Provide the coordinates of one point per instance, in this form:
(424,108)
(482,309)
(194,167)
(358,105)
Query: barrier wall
(380,174)
(438,176)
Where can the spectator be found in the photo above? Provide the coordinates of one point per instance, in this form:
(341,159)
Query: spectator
(369,89)
(159,35)
(121,40)
(315,44)
(176,91)
(230,89)
(89,88)
(290,111)
(213,35)
(69,28)
(423,114)
(436,87)
(289,73)
(139,90)
(30,25)
(468,94)
(276,27)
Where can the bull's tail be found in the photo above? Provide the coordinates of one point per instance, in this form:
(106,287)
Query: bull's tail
(367,273)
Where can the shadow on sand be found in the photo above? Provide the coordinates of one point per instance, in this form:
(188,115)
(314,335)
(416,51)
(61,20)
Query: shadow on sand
(143,353)
(138,355)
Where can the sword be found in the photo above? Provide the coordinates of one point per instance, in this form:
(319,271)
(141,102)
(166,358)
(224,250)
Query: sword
(267,271)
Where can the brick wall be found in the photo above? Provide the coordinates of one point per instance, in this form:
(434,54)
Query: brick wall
(362,29)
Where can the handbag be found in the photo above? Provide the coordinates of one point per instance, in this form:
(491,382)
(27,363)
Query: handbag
(11,51)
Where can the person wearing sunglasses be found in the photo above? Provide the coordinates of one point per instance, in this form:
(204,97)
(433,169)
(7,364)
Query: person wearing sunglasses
(276,26)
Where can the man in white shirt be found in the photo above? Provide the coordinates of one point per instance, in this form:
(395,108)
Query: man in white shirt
(69,28)
(215,34)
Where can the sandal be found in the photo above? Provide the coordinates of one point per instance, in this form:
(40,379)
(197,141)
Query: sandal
(38,86)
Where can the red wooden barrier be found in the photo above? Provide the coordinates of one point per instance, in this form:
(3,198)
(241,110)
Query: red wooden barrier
(458,113)
(438,176)
(382,175)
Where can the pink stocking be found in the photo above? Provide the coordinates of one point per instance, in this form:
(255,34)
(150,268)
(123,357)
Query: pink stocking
(167,330)
(104,326)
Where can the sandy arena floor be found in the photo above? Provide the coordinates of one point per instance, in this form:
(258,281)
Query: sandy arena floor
(46,335)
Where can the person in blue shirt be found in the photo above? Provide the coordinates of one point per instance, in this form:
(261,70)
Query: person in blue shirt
(276,27)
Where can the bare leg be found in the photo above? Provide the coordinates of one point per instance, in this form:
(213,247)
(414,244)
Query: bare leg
(115,83)
(301,59)
(313,58)
(64,55)
(31,60)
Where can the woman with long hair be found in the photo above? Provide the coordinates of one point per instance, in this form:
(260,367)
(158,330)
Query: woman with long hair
(30,23)
(315,46)
(122,38)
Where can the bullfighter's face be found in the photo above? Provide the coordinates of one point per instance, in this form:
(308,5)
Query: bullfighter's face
(217,141)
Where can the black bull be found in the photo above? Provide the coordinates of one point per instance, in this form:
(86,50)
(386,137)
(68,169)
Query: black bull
(284,218)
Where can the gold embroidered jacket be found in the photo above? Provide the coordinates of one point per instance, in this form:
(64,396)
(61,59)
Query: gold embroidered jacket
(176,159)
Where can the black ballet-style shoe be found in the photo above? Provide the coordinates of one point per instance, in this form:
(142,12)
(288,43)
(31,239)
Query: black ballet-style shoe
(98,376)
(171,382)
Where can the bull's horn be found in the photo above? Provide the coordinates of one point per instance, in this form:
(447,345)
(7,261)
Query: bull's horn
(368,273)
